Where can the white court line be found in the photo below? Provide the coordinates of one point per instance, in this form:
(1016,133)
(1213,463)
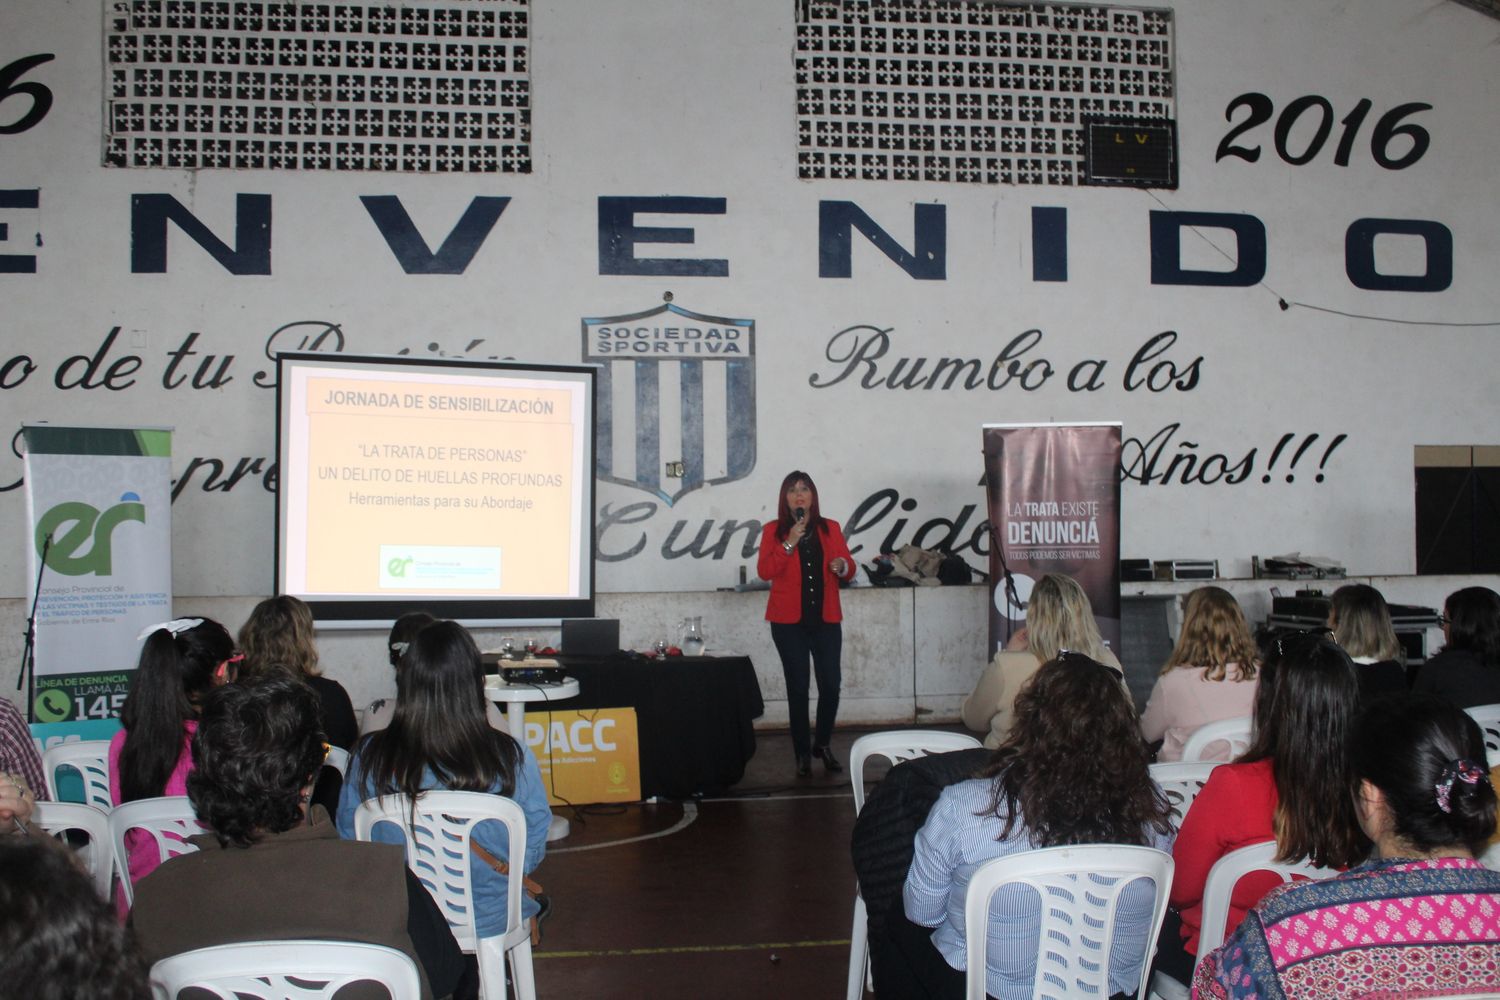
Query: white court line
(689,816)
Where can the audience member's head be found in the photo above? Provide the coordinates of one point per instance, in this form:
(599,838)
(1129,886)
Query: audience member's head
(1059,617)
(257,751)
(59,939)
(440,722)
(1304,718)
(1214,634)
(180,663)
(1472,622)
(402,631)
(1361,623)
(279,634)
(1426,759)
(1074,767)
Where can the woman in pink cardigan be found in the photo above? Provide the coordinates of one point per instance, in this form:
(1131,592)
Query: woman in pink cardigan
(180,662)
(1209,676)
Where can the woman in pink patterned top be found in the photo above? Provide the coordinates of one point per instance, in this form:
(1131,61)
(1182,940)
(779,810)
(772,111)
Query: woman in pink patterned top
(1422,918)
(180,662)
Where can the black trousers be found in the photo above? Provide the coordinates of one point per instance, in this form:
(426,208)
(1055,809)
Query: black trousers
(823,644)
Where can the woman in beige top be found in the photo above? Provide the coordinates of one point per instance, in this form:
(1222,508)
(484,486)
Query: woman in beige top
(1058,617)
(1211,675)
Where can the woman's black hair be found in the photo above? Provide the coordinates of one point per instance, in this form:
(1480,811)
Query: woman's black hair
(1074,769)
(402,629)
(59,939)
(440,722)
(1409,747)
(175,672)
(259,745)
(1304,716)
(1474,622)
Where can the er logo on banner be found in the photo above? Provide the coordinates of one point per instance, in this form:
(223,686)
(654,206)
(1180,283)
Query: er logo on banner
(74,525)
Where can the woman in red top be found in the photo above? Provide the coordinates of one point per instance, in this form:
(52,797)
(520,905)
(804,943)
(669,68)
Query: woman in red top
(1292,785)
(804,556)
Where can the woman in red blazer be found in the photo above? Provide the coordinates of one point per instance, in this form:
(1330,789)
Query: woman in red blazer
(804,556)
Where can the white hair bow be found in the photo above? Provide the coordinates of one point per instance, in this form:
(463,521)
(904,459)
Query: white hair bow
(174,626)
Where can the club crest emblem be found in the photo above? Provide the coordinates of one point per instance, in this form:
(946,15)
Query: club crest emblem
(676,399)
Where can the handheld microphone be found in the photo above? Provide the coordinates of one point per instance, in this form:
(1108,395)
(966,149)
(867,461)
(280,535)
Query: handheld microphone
(799,514)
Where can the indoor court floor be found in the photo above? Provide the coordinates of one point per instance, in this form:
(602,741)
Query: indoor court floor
(750,895)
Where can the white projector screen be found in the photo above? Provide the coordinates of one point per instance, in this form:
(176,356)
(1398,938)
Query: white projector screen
(461,488)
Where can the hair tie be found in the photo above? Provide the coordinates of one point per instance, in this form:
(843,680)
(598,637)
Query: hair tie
(1460,768)
(174,626)
(399,648)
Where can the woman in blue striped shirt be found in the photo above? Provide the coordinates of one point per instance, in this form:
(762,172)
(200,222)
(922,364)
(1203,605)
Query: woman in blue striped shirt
(1072,771)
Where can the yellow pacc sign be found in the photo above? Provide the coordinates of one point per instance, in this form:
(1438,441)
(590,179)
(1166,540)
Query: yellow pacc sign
(587,756)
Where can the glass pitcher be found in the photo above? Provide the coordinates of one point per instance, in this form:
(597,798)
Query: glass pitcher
(692,635)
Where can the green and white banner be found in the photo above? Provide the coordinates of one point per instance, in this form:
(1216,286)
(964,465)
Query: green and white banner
(98,501)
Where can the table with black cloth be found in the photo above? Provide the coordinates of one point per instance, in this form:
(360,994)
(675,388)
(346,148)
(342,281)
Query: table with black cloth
(694,716)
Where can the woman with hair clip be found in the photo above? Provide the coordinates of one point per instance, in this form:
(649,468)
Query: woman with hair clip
(1053,782)
(1209,676)
(1058,617)
(181,661)
(1291,786)
(440,738)
(804,556)
(280,634)
(1466,670)
(378,715)
(1422,917)
(1361,624)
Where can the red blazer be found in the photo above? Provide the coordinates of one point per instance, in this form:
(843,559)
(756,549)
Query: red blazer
(785,573)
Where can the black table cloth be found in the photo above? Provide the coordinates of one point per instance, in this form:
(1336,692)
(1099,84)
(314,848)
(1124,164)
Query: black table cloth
(694,716)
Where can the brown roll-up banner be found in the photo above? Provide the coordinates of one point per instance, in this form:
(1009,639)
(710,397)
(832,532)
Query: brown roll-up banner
(1054,505)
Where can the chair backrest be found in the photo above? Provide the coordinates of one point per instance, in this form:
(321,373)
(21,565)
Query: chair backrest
(1237,732)
(1079,889)
(1488,717)
(98,855)
(1226,874)
(1182,781)
(338,759)
(90,758)
(438,850)
(169,820)
(896,746)
(285,970)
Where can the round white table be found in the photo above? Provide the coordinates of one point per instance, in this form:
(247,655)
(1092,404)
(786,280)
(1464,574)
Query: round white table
(516,697)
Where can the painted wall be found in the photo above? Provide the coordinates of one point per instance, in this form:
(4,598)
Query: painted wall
(1267,418)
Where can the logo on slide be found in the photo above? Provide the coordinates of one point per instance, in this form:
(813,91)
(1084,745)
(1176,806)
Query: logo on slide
(676,392)
(76,526)
(397,567)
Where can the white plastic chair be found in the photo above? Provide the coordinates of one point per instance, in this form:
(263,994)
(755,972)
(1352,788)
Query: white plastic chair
(1488,717)
(98,856)
(1237,732)
(338,759)
(1182,781)
(1218,890)
(1079,889)
(90,758)
(169,820)
(285,970)
(895,746)
(438,852)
